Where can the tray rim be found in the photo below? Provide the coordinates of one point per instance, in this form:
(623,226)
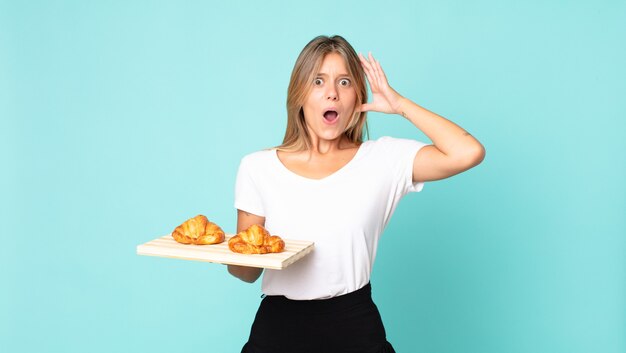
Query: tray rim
(275,261)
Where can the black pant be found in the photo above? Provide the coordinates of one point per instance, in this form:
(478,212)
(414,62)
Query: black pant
(344,324)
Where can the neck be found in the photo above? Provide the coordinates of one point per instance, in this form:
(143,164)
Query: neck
(323,147)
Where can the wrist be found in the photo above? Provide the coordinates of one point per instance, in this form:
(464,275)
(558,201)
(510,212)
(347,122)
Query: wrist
(401,107)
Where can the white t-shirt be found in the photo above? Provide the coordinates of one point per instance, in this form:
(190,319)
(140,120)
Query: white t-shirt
(343,213)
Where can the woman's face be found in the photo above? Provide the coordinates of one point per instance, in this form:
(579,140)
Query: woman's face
(330,105)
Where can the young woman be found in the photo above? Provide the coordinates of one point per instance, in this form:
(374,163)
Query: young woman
(325,184)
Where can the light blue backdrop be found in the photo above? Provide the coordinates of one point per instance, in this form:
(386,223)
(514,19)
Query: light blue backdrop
(119,120)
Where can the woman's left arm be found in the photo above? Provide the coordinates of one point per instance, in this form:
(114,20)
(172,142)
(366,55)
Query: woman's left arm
(453,150)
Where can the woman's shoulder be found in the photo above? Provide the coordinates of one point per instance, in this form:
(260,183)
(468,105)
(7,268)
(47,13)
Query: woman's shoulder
(388,142)
(385,147)
(261,156)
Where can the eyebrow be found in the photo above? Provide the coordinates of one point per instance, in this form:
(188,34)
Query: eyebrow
(326,75)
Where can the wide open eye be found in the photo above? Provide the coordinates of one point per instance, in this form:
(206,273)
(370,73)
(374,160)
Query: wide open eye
(344,82)
(318,82)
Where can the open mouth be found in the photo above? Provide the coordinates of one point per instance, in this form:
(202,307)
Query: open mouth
(330,116)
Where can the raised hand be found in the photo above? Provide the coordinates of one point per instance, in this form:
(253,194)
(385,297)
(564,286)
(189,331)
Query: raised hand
(384,98)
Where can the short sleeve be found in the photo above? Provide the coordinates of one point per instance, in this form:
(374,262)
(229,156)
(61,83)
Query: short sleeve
(247,195)
(404,151)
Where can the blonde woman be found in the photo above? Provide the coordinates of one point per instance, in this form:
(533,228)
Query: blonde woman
(325,184)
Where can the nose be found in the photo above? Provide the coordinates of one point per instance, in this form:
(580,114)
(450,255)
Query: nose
(331,93)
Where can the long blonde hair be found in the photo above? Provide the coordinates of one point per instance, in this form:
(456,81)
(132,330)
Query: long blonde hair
(307,66)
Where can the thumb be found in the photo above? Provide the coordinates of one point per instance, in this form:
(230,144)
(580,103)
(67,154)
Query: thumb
(365,107)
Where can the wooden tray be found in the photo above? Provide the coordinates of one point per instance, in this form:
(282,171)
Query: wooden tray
(166,246)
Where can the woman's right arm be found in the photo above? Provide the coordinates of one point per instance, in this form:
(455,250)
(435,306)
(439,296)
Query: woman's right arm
(246,274)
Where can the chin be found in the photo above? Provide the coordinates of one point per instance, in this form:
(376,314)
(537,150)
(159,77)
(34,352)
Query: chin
(330,136)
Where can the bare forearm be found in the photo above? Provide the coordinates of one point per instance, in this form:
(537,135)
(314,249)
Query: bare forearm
(449,138)
(246,274)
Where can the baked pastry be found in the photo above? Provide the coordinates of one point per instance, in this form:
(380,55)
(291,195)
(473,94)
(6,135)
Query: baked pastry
(256,240)
(199,231)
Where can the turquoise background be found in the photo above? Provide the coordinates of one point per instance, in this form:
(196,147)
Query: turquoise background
(119,120)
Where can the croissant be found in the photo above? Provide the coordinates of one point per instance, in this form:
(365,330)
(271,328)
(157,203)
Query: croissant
(199,231)
(255,240)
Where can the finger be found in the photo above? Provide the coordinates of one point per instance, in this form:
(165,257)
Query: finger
(372,62)
(366,64)
(369,72)
(381,72)
(375,69)
(373,74)
(365,107)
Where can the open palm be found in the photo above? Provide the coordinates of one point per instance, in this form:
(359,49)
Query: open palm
(384,98)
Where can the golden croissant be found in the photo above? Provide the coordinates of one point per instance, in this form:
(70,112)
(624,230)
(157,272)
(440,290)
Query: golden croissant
(199,231)
(255,240)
